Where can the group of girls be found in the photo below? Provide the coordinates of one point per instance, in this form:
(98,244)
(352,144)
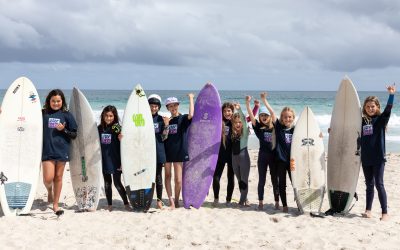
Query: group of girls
(274,134)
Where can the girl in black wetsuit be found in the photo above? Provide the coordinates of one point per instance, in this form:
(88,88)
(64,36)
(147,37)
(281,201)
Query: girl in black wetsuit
(110,136)
(373,149)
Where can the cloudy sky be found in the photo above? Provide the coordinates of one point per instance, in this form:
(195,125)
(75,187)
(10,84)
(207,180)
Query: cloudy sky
(171,44)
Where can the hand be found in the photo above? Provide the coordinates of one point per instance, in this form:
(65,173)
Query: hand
(391,88)
(248,99)
(256,102)
(120,136)
(190,95)
(236,105)
(166,120)
(60,126)
(263,95)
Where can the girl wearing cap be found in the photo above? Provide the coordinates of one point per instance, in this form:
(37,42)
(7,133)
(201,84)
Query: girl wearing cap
(161,130)
(176,148)
(264,130)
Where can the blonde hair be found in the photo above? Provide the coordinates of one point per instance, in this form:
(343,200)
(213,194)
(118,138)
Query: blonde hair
(287,109)
(235,119)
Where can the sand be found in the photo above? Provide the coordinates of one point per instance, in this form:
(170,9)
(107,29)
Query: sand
(208,227)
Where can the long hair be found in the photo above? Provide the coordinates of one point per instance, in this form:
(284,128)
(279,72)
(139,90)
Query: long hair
(55,92)
(286,109)
(224,106)
(268,125)
(236,119)
(107,109)
(371,99)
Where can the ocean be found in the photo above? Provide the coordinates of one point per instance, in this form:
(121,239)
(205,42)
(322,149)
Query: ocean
(321,102)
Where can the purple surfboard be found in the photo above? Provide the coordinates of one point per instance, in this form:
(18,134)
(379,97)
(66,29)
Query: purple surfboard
(204,139)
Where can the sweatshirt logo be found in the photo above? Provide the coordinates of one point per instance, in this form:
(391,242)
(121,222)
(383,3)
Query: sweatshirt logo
(105,138)
(53,122)
(368,130)
(267,137)
(288,138)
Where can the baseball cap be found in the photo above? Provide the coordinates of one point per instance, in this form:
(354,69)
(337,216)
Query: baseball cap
(171,100)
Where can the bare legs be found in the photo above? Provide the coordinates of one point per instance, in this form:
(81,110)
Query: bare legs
(178,182)
(52,178)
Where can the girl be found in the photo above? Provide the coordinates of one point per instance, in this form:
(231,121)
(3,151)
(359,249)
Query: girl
(176,148)
(264,130)
(240,155)
(59,127)
(110,136)
(161,130)
(373,149)
(284,128)
(225,153)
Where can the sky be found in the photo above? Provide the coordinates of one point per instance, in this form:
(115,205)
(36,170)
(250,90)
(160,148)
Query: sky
(171,44)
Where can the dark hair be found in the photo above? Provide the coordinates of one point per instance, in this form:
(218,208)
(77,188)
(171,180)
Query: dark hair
(228,105)
(111,109)
(55,92)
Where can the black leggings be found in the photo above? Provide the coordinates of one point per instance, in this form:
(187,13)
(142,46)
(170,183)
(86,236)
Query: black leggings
(266,159)
(374,177)
(118,185)
(282,168)
(217,177)
(159,182)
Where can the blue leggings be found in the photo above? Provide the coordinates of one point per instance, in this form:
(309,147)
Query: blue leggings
(374,177)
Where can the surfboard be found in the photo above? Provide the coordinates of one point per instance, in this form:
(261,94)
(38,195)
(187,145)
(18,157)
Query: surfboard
(138,151)
(308,168)
(85,154)
(343,149)
(204,138)
(21,124)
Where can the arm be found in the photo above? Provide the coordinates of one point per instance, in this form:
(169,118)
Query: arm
(191,106)
(165,132)
(245,132)
(69,133)
(271,111)
(251,115)
(255,109)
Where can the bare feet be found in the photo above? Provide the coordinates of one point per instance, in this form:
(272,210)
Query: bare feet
(177,203)
(215,203)
(276,205)
(285,209)
(260,205)
(109,208)
(171,203)
(159,204)
(367,214)
(127,207)
(385,217)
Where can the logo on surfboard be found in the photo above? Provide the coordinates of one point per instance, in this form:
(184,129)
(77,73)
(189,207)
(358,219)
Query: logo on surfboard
(138,120)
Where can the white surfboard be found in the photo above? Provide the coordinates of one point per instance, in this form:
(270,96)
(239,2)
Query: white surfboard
(138,150)
(85,154)
(343,151)
(21,126)
(308,168)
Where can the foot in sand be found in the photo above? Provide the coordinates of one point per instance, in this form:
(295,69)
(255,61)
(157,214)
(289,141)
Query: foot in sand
(260,206)
(385,217)
(127,207)
(367,214)
(277,205)
(109,208)
(171,203)
(215,203)
(160,204)
(285,209)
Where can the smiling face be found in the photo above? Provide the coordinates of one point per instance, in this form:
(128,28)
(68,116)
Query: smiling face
(371,109)
(56,102)
(154,109)
(173,109)
(227,113)
(108,118)
(287,118)
(237,124)
(264,118)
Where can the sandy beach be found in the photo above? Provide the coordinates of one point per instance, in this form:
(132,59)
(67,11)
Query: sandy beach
(208,227)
